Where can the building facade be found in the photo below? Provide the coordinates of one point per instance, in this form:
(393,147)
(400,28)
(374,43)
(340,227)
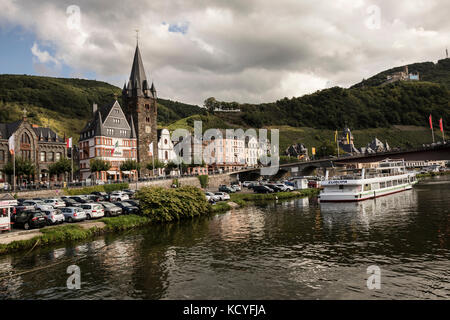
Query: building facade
(110,137)
(139,103)
(166,151)
(42,146)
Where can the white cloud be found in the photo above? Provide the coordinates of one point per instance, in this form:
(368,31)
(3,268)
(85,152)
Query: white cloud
(247,51)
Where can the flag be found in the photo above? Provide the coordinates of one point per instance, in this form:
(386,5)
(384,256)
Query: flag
(116,145)
(431,122)
(441,125)
(348,139)
(150,147)
(313,150)
(335,136)
(69,142)
(11,144)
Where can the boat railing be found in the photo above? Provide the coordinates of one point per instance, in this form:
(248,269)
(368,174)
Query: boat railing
(367,176)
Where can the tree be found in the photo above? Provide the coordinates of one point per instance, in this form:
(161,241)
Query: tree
(98,165)
(61,166)
(211,104)
(327,148)
(129,165)
(158,164)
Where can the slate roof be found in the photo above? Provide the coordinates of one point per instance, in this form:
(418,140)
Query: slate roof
(138,84)
(44,134)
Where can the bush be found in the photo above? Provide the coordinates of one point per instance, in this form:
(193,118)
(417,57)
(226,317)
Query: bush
(203,180)
(163,205)
(99,188)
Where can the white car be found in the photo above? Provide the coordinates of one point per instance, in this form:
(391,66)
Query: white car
(211,196)
(72,214)
(285,187)
(246,184)
(118,196)
(38,205)
(236,187)
(222,196)
(55,203)
(93,210)
(54,216)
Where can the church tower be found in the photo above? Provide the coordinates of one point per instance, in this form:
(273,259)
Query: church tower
(139,101)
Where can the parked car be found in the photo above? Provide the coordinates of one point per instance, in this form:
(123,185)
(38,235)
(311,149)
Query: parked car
(54,216)
(129,192)
(274,187)
(227,189)
(211,197)
(37,204)
(284,187)
(133,202)
(93,210)
(236,187)
(118,196)
(95,198)
(100,194)
(111,209)
(55,203)
(72,214)
(79,199)
(262,189)
(30,220)
(127,208)
(71,203)
(222,196)
(246,184)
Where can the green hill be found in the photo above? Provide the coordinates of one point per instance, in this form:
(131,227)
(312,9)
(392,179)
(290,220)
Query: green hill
(65,104)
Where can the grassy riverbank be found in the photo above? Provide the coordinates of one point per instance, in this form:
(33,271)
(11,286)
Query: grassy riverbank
(432,174)
(75,232)
(245,199)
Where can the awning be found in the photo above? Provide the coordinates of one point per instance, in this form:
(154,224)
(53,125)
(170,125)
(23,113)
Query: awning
(112,172)
(126,172)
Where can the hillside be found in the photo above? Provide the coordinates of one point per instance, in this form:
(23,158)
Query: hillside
(65,104)
(429,71)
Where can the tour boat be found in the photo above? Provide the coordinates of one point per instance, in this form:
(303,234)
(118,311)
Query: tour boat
(390,176)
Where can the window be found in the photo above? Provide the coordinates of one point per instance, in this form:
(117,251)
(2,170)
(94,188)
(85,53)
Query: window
(165,141)
(116,120)
(166,155)
(43,158)
(2,155)
(50,157)
(147,107)
(147,119)
(25,138)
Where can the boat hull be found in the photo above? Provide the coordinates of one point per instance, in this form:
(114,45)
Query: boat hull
(355,197)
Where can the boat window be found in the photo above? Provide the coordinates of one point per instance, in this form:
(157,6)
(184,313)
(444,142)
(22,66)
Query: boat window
(394,182)
(382,185)
(341,187)
(367,187)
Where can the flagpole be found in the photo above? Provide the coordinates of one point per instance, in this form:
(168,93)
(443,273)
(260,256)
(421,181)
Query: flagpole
(432,133)
(14,171)
(71,157)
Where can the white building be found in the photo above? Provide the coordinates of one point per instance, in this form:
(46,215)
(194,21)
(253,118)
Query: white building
(251,151)
(110,137)
(166,151)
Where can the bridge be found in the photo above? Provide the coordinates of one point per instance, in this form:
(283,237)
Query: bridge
(305,168)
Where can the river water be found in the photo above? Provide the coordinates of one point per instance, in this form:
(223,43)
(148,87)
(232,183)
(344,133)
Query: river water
(297,249)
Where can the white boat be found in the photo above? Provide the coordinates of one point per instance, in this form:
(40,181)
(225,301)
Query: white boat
(389,177)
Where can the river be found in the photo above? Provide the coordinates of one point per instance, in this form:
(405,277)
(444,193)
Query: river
(296,249)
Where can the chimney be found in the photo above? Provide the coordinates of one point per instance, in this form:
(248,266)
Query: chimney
(94,108)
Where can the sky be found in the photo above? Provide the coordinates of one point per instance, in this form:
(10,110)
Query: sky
(234,50)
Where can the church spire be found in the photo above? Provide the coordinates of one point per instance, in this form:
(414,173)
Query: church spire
(138,78)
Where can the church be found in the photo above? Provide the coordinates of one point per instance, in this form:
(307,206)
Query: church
(118,133)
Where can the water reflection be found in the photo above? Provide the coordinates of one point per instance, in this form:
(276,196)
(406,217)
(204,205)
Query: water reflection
(291,249)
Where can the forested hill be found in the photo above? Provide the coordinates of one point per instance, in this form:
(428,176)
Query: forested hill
(432,72)
(370,105)
(70,98)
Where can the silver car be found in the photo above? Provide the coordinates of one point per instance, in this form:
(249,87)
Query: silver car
(54,216)
(73,214)
(55,203)
(93,210)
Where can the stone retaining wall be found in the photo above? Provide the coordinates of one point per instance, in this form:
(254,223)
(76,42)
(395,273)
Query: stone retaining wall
(214,182)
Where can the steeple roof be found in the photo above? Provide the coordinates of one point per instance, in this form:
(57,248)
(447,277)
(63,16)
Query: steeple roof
(137,76)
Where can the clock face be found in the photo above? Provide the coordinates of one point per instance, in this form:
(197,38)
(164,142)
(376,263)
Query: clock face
(148,129)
